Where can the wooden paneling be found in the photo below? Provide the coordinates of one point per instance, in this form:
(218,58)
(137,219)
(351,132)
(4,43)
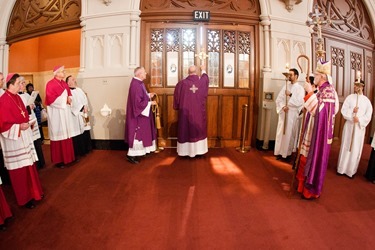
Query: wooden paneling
(224,104)
(346,61)
(349,41)
(227,116)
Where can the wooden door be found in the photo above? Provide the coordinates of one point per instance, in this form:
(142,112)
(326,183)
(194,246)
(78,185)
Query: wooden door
(170,48)
(348,63)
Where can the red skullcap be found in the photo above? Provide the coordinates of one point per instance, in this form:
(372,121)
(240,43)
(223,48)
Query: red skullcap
(56,68)
(9,76)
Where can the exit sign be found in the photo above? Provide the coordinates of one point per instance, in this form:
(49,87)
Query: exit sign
(201,15)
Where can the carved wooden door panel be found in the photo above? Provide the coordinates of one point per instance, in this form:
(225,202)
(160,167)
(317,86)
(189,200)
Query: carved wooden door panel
(347,65)
(171,48)
(350,43)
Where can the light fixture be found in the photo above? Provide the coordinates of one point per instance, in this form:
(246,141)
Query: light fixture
(105,111)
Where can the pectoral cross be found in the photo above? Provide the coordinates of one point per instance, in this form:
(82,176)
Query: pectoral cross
(23,113)
(202,56)
(193,88)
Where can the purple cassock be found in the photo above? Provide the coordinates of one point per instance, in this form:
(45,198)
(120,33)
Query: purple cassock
(317,159)
(138,126)
(190,97)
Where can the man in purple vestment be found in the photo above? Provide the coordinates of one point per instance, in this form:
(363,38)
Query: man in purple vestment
(190,97)
(323,106)
(140,131)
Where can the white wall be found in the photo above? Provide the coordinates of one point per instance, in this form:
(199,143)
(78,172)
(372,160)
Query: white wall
(289,37)
(109,54)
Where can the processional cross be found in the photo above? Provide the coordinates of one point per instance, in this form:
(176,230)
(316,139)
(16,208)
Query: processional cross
(202,56)
(317,20)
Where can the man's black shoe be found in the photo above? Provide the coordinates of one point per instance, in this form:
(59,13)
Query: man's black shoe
(60,165)
(132,159)
(279,157)
(30,205)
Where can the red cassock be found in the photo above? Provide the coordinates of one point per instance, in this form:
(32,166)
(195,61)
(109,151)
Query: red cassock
(62,150)
(18,149)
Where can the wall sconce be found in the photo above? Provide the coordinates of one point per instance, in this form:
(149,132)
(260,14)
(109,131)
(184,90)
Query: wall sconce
(289,4)
(105,111)
(107,2)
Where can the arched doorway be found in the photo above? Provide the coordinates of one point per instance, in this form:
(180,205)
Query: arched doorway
(41,36)
(33,48)
(171,41)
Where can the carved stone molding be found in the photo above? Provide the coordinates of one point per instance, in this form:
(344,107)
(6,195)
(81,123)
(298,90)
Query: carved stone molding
(289,4)
(40,17)
(107,2)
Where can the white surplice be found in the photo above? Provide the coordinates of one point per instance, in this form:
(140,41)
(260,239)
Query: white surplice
(18,147)
(284,143)
(59,119)
(32,117)
(76,114)
(349,158)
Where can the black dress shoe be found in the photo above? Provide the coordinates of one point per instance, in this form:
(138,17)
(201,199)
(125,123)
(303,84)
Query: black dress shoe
(3,227)
(278,157)
(60,165)
(132,159)
(30,205)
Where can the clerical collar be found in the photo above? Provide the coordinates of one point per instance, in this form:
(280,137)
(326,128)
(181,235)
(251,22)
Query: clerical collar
(72,88)
(138,79)
(20,93)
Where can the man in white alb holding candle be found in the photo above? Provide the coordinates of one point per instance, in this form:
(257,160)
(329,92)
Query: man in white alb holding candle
(357,111)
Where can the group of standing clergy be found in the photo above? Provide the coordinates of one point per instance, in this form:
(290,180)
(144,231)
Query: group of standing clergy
(68,127)
(17,128)
(318,102)
(190,98)
(68,122)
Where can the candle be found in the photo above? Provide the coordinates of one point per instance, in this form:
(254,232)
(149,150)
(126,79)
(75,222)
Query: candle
(359,76)
(287,66)
(201,36)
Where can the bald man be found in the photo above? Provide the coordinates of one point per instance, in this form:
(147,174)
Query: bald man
(190,96)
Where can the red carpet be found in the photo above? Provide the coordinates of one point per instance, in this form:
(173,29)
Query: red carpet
(225,200)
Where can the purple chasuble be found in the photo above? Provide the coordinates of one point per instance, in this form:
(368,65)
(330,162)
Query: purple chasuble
(190,97)
(138,126)
(317,159)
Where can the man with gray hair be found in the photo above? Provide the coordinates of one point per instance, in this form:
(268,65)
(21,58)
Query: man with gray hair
(140,130)
(58,100)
